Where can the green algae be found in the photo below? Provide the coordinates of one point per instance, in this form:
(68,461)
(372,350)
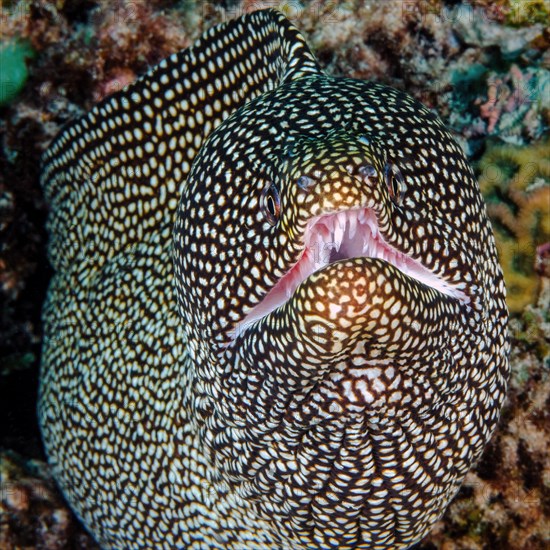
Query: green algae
(13,68)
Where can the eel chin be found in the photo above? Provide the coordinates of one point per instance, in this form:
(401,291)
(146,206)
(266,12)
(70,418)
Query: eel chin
(345,235)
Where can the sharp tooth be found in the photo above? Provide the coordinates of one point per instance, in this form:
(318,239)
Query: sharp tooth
(338,236)
(352,224)
(374,228)
(373,231)
(338,232)
(319,253)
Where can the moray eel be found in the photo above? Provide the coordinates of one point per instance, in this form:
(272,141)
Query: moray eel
(277,318)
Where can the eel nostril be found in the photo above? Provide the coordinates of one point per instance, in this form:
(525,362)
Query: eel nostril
(304,182)
(367,171)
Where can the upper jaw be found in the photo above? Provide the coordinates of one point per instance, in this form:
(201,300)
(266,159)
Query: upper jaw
(347,234)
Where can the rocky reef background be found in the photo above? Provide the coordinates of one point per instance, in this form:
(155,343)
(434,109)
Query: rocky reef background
(484,66)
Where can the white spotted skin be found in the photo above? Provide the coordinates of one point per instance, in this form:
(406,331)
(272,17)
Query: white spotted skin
(346,418)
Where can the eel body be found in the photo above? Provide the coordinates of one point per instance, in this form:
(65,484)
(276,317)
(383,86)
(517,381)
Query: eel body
(277,318)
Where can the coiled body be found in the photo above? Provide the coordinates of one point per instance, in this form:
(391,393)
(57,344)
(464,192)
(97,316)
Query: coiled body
(277,318)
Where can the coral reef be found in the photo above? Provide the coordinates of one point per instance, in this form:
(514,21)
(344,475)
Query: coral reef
(483,65)
(513,105)
(516,184)
(33,512)
(514,102)
(523,13)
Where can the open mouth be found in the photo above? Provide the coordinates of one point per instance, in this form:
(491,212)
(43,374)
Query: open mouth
(341,236)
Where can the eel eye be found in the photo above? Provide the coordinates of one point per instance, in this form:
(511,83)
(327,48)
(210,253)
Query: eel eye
(271,204)
(395,182)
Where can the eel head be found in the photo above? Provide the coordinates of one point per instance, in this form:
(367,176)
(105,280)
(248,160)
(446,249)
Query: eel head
(339,281)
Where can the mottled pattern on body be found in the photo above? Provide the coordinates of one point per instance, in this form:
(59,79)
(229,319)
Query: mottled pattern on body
(277,318)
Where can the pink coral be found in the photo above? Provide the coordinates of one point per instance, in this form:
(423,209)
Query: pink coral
(492,108)
(510,94)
